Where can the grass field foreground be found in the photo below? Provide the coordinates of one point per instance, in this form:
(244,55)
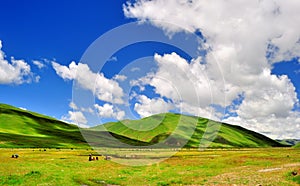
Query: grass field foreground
(264,166)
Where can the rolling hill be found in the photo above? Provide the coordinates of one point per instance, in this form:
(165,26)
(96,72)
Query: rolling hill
(297,145)
(21,128)
(176,129)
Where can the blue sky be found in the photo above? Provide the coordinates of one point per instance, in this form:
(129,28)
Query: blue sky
(61,30)
(238,79)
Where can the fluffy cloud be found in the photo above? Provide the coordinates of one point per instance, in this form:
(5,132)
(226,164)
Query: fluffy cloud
(15,71)
(183,82)
(272,126)
(245,38)
(65,72)
(104,89)
(146,106)
(119,77)
(242,24)
(76,117)
(39,64)
(109,111)
(274,95)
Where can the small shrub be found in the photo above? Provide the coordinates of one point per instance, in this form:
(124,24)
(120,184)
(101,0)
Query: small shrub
(33,173)
(162,183)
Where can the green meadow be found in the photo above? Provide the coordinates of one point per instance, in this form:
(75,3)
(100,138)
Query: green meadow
(255,166)
(52,152)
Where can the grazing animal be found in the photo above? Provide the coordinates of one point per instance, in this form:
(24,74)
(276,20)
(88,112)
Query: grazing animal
(14,156)
(90,157)
(294,173)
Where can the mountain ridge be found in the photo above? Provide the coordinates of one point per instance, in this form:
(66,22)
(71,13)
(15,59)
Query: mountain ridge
(226,135)
(23,128)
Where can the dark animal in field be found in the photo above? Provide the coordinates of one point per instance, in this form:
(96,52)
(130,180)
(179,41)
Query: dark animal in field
(14,156)
(294,173)
(90,157)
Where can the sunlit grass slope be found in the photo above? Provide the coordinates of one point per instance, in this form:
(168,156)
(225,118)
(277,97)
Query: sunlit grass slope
(21,128)
(297,146)
(196,131)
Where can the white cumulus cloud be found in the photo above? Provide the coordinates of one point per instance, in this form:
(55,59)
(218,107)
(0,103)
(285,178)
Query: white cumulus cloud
(109,111)
(15,71)
(119,77)
(246,38)
(39,64)
(149,106)
(104,89)
(185,83)
(76,117)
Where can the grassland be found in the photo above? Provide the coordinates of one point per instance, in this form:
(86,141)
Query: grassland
(264,166)
(60,156)
(21,128)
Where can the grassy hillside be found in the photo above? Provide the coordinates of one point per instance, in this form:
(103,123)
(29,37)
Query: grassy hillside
(180,126)
(21,128)
(297,145)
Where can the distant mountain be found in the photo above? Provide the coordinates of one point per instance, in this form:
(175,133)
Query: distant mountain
(21,128)
(291,142)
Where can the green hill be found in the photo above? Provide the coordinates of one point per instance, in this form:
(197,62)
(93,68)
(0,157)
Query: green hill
(21,128)
(297,145)
(175,129)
